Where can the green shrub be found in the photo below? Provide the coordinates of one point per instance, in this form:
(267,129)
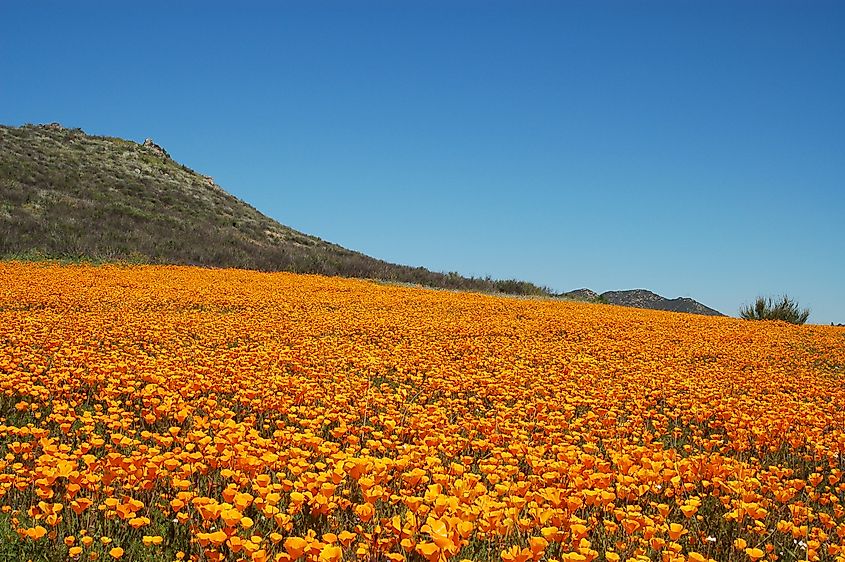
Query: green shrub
(766,308)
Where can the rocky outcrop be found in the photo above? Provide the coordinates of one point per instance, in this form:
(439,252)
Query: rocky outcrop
(581,295)
(637,298)
(148,143)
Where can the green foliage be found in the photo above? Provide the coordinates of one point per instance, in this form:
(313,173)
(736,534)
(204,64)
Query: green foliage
(784,308)
(517,287)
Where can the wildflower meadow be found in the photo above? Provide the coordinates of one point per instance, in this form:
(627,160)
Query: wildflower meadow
(159,413)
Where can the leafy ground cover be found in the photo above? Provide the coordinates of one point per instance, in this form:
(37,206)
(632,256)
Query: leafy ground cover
(174,413)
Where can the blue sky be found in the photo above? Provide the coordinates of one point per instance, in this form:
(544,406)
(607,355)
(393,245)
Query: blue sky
(691,148)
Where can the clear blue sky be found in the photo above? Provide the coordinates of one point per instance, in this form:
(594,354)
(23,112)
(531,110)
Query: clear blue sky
(691,148)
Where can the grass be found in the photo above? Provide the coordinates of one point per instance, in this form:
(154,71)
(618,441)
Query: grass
(16,548)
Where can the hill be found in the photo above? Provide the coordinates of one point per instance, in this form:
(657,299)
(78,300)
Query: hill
(641,298)
(65,194)
(69,195)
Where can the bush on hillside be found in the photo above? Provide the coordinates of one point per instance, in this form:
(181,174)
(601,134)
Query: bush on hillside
(766,308)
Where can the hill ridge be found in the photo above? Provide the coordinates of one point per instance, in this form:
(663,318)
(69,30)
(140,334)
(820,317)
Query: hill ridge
(643,298)
(67,194)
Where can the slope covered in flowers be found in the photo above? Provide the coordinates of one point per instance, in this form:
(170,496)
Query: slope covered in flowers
(164,413)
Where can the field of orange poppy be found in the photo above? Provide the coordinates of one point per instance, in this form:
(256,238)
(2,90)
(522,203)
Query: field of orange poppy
(174,413)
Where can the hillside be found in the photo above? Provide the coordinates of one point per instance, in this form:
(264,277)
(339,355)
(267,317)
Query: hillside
(69,195)
(641,298)
(66,194)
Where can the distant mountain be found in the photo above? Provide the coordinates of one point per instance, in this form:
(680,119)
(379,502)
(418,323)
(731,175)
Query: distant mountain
(581,295)
(65,194)
(640,298)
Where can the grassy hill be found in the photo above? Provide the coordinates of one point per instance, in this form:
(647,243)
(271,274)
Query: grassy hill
(68,195)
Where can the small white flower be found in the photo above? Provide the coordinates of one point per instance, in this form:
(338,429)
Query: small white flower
(711,539)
